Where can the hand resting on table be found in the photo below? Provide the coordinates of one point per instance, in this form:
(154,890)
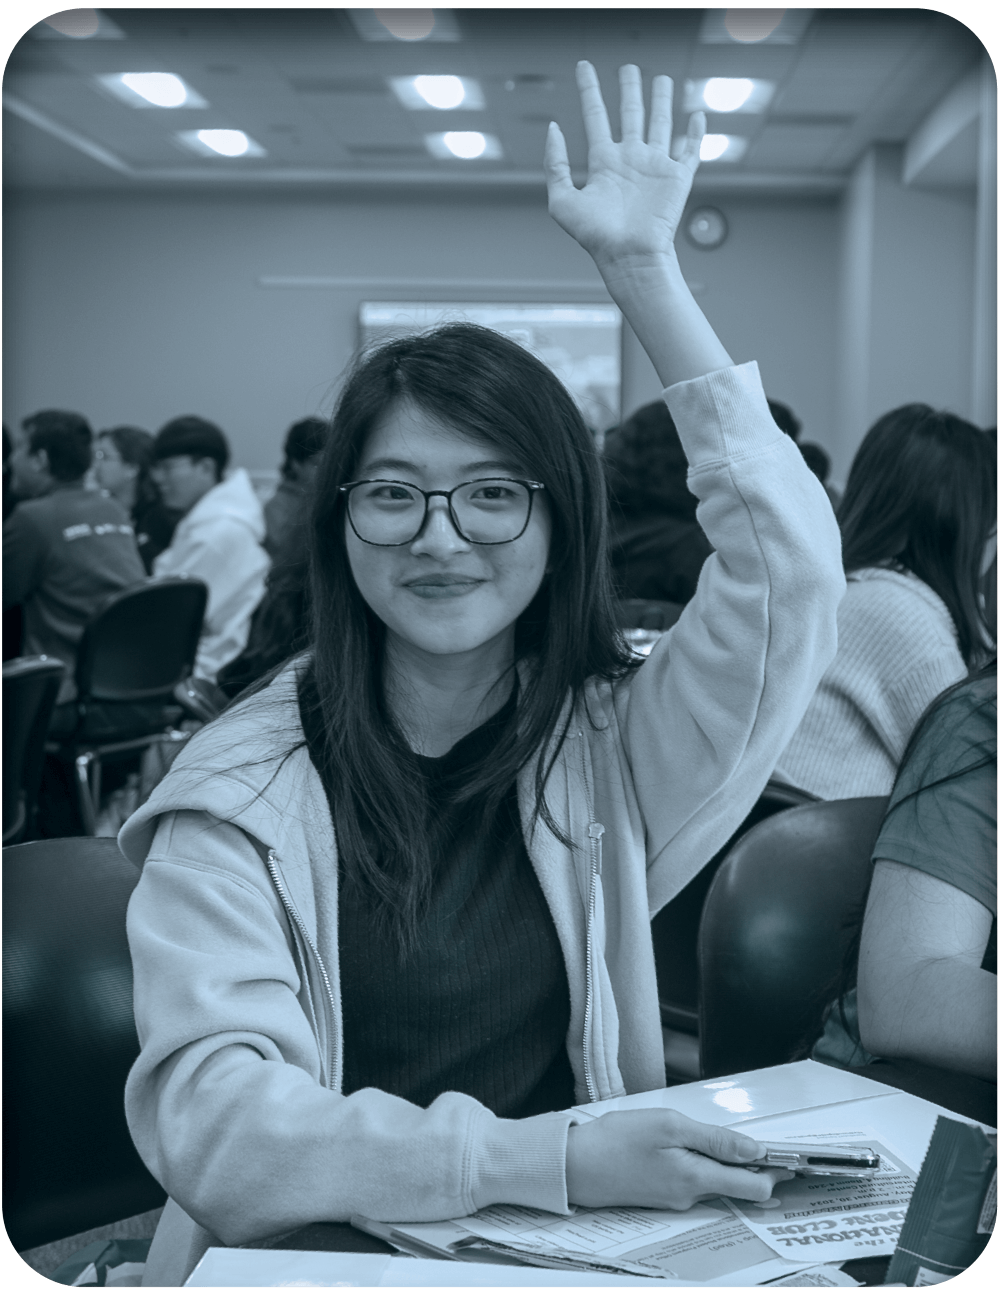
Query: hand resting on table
(657,1158)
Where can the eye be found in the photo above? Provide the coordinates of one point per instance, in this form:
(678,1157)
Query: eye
(388,492)
(494,491)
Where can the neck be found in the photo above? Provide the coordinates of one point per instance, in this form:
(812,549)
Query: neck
(126,494)
(438,699)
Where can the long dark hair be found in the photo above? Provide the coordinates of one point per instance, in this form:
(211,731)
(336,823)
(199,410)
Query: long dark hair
(487,387)
(136,448)
(922,492)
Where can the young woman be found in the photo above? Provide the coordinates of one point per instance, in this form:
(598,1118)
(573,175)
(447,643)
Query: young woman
(394,911)
(122,460)
(918,520)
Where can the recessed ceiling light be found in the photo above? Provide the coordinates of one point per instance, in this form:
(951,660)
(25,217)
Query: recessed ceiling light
(469,145)
(442,92)
(753,26)
(405,24)
(717,148)
(728,94)
(152,90)
(221,143)
(77,24)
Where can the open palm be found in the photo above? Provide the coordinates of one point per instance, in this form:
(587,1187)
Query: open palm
(635,193)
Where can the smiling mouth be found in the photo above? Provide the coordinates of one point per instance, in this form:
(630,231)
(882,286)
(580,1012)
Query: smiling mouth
(434,586)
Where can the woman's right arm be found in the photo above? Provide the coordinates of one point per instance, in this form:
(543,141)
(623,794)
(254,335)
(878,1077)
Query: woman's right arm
(922,993)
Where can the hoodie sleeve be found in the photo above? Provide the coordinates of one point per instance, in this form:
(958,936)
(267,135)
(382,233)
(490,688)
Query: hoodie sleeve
(712,708)
(227,1103)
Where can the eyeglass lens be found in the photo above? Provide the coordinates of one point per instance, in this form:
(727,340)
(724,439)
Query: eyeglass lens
(487,511)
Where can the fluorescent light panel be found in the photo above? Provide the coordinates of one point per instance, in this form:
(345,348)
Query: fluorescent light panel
(405,24)
(152,90)
(221,143)
(722,148)
(421,93)
(468,145)
(727,94)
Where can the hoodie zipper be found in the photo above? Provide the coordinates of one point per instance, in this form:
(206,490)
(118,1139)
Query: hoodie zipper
(279,884)
(594,831)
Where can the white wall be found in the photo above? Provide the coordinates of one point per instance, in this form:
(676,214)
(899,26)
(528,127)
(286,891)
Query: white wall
(139,307)
(906,305)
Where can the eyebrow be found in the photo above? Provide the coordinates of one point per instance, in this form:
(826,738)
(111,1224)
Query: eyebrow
(402,464)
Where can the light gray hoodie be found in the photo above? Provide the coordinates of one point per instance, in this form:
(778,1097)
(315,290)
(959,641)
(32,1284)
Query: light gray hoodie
(219,541)
(235,1101)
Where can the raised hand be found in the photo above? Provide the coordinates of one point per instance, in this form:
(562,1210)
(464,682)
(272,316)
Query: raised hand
(635,192)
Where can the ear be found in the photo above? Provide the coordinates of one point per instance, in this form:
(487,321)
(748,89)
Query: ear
(40,459)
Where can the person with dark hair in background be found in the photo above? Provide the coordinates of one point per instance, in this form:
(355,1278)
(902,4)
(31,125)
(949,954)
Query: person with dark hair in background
(785,419)
(918,525)
(218,538)
(122,460)
(377,952)
(657,547)
(285,511)
(65,548)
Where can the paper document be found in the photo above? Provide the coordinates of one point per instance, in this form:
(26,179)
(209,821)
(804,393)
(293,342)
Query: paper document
(831,1219)
(708,1243)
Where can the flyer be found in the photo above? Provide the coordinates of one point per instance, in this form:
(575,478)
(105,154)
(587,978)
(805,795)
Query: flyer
(832,1219)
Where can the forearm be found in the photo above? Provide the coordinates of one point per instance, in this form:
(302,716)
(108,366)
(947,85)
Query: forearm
(651,293)
(941,1011)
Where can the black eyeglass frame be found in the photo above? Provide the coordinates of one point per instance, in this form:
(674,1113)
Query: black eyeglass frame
(532,486)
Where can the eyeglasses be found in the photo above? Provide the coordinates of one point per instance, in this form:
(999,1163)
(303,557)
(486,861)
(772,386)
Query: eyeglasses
(391,513)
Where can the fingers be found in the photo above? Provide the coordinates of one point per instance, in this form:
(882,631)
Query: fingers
(661,113)
(721,1143)
(716,1178)
(558,177)
(690,149)
(631,111)
(595,115)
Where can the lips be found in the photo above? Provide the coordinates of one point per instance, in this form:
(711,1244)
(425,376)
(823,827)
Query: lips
(431,586)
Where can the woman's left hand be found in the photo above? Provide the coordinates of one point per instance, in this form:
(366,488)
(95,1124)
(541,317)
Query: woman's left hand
(635,193)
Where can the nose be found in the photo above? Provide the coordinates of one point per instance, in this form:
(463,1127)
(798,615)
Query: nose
(438,538)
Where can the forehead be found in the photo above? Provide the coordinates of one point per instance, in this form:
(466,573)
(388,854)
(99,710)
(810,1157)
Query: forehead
(408,438)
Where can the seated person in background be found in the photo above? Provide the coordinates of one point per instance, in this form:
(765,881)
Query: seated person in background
(65,548)
(657,547)
(284,512)
(279,628)
(218,538)
(122,460)
(926,975)
(918,525)
(785,420)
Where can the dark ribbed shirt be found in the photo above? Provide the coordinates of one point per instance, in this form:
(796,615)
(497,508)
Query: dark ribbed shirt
(481,1004)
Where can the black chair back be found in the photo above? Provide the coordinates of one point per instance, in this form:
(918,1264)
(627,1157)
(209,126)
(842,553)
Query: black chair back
(776,927)
(30,687)
(69,1041)
(675,927)
(142,642)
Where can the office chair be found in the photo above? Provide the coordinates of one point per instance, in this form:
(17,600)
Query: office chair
(642,613)
(133,656)
(675,941)
(69,1040)
(778,920)
(30,687)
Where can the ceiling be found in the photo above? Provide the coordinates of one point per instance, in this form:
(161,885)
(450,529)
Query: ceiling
(312,91)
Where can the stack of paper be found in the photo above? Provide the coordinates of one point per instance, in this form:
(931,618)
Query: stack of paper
(808,1220)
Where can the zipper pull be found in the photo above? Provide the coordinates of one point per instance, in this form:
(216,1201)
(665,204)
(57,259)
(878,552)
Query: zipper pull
(595,830)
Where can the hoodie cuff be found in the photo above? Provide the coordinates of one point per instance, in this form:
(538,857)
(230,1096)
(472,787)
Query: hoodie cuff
(723,415)
(521,1162)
